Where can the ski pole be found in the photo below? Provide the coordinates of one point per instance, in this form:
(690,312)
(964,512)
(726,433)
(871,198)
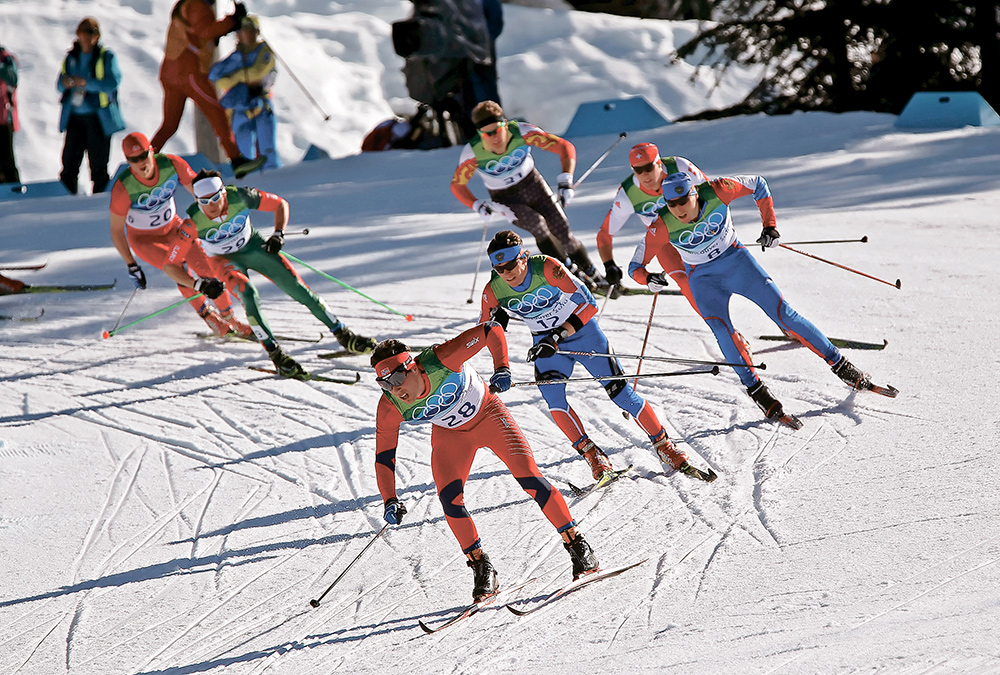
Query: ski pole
(304,230)
(668,359)
(315,603)
(122,316)
(598,161)
(479,261)
(289,256)
(645,339)
(326,118)
(863,240)
(898,284)
(108,333)
(714,370)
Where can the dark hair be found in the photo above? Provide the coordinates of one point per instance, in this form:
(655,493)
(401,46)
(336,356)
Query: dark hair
(206,173)
(387,348)
(504,239)
(486,111)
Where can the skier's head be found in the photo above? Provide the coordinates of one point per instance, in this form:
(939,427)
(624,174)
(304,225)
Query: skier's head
(249,31)
(139,154)
(642,154)
(492,125)
(210,193)
(681,196)
(508,256)
(645,161)
(396,370)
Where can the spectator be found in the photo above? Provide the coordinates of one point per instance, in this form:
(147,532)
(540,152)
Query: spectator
(247,76)
(187,57)
(8,116)
(88,82)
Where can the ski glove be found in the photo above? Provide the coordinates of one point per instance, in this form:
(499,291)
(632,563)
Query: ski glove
(500,380)
(565,183)
(612,272)
(501,316)
(657,282)
(212,288)
(769,238)
(274,243)
(138,277)
(394,511)
(485,209)
(547,346)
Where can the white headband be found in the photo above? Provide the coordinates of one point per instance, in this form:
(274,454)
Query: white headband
(207,186)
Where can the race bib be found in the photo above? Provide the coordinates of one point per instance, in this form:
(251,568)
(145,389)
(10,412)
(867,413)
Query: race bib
(154,218)
(228,237)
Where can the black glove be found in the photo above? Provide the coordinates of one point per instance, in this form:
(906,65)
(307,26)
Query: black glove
(274,243)
(213,288)
(547,346)
(769,238)
(657,282)
(138,277)
(255,90)
(500,380)
(501,316)
(612,272)
(238,14)
(394,511)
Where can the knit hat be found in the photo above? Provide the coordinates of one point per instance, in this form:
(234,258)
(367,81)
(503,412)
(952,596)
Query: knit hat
(643,153)
(677,185)
(135,143)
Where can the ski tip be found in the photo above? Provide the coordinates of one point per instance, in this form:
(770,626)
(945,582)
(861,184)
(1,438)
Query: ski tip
(427,629)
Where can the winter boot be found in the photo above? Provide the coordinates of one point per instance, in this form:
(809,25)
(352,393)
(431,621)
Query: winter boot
(598,461)
(243,165)
(850,374)
(236,326)
(484,578)
(285,364)
(353,342)
(218,325)
(584,560)
(768,404)
(668,452)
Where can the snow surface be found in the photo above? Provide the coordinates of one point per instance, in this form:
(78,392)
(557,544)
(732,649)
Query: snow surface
(164,509)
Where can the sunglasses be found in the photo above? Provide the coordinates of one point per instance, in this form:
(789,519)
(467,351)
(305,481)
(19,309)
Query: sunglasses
(645,168)
(500,125)
(396,377)
(205,201)
(138,158)
(507,267)
(680,201)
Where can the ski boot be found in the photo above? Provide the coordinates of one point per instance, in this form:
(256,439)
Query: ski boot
(770,406)
(598,461)
(286,365)
(236,326)
(584,560)
(353,342)
(243,165)
(219,325)
(672,457)
(484,577)
(851,375)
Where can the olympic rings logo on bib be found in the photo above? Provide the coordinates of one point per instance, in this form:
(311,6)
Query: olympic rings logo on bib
(652,208)
(439,402)
(151,200)
(230,229)
(540,299)
(516,158)
(704,232)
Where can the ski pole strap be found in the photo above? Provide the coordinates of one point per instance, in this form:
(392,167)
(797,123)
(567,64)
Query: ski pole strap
(536,383)
(669,359)
(289,256)
(180,302)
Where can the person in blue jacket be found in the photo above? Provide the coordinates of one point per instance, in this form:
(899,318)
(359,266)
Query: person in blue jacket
(88,81)
(247,76)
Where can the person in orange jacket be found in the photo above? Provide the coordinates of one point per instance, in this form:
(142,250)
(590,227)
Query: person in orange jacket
(187,58)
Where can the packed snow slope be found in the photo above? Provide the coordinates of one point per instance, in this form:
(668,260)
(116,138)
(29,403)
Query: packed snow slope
(165,509)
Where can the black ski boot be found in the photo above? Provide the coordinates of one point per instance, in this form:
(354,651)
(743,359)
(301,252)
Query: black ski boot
(851,375)
(583,557)
(484,578)
(243,165)
(768,404)
(353,342)
(285,364)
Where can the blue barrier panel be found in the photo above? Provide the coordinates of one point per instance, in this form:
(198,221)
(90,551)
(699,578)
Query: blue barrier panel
(614,116)
(947,110)
(53,188)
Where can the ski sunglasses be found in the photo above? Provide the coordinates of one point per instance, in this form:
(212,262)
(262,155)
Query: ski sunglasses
(645,168)
(394,376)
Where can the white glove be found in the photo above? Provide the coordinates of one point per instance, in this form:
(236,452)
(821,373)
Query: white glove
(485,209)
(505,211)
(657,282)
(565,183)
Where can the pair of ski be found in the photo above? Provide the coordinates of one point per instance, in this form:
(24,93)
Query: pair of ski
(64,288)
(530,606)
(22,267)
(312,377)
(795,423)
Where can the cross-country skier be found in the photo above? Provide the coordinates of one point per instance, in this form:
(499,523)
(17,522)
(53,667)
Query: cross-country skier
(144,220)
(641,194)
(562,316)
(221,216)
(696,220)
(439,386)
(501,154)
